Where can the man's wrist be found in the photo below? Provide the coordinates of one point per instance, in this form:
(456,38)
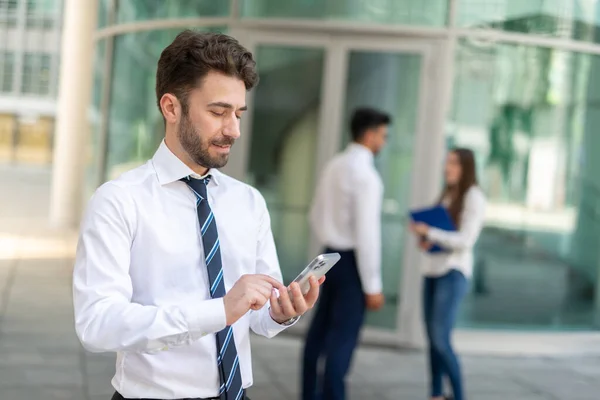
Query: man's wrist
(281,321)
(288,322)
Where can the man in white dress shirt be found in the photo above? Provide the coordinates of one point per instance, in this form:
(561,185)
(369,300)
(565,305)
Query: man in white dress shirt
(345,216)
(176,261)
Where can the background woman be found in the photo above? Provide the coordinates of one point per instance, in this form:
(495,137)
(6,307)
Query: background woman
(445,281)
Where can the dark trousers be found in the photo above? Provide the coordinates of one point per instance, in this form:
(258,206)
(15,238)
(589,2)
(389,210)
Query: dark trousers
(334,331)
(117,396)
(442,297)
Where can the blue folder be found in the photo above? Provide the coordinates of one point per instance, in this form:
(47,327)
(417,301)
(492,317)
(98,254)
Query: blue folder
(436,217)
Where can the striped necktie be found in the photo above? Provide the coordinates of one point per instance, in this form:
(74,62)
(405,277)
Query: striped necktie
(227,356)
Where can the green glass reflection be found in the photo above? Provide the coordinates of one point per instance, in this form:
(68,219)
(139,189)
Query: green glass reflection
(142,10)
(388,82)
(36,74)
(135,127)
(92,162)
(561,18)
(43,6)
(103,12)
(43,14)
(8,14)
(531,115)
(283,145)
(411,12)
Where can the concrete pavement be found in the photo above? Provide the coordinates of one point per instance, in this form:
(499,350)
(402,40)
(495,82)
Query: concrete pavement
(42,359)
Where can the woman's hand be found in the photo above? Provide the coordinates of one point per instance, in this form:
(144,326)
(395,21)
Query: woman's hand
(419,228)
(425,245)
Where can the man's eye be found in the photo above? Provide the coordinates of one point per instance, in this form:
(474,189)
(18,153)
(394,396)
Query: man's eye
(218,114)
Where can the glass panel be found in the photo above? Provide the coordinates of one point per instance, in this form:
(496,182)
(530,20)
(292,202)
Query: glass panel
(103,10)
(7,65)
(43,13)
(283,145)
(44,75)
(43,6)
(532,116)
(141,10)
(27,83)
(36,74)
(411,12)
(389,82)
(135,123)
(10,5)
(8,13)
(562,18)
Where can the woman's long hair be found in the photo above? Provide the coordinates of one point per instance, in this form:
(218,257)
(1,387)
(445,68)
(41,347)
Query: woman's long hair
(468,178)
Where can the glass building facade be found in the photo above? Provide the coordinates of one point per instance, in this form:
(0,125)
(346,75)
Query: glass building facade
(513,80)
(29,61)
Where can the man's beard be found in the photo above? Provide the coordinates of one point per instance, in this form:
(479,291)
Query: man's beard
(198,149)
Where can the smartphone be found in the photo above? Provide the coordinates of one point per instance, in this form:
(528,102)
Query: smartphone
(318,267)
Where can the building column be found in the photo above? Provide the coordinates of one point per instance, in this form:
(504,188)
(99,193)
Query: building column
(72,126)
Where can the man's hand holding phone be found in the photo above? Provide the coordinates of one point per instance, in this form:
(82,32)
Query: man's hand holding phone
(284,309)
(252,292)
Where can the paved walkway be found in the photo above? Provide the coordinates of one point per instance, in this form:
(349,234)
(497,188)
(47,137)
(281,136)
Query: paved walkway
(40,357)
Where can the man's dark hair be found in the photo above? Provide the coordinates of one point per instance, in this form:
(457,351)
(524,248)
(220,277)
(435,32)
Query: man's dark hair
(192,55)
(364,119)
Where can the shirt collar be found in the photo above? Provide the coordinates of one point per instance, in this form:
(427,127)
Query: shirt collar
(169,168)
(361,150)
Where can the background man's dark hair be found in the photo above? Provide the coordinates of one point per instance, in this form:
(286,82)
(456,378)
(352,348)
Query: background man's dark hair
(364,119)
(192,55)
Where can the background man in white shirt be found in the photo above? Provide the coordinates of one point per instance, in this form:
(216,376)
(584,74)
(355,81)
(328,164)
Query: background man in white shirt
(346,218)
(154,279)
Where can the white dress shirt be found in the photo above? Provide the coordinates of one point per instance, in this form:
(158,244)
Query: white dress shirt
(346,211)
(460,242)
(140,283)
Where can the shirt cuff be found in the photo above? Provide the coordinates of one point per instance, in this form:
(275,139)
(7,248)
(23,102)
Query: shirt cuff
(373,286)
(206,316)
(271,326)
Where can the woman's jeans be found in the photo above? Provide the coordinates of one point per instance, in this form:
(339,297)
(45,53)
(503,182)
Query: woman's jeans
(442,297)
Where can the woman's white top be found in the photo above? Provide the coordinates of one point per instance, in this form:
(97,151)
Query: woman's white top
(460,242)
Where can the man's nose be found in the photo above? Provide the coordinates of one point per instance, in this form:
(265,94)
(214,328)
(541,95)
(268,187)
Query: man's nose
(232,127)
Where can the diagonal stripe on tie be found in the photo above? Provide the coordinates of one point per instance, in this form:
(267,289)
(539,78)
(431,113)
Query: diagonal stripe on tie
(212,252)
(215,285)
(227,356)
(231,374)
(210,219)
(240,394)
(227,340)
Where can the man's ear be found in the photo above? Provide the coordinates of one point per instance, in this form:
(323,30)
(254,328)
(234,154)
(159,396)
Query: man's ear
(368,137)
(170,107)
